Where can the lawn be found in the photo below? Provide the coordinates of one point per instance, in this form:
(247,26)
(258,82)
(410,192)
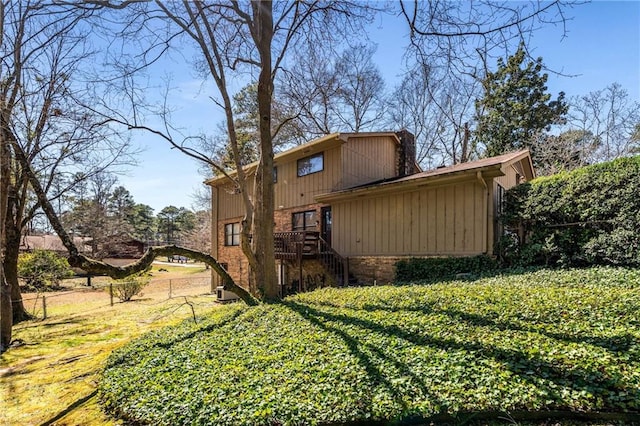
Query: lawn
(518,346)
(51,376)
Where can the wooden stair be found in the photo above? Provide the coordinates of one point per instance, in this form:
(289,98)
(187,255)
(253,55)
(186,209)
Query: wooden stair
(298,245)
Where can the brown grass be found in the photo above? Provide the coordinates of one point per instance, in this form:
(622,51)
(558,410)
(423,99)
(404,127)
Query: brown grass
(50,376)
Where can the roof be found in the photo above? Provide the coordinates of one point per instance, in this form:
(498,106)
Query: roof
(51,242)
(487,167)
(306,149)
(473,165)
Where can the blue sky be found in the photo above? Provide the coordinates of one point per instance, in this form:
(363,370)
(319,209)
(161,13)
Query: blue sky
(601,46)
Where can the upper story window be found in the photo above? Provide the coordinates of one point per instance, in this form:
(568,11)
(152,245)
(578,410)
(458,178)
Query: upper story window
(304,221)
(232,234)
(312,164)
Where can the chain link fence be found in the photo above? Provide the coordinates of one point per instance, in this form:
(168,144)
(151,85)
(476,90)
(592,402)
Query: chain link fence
(100,294)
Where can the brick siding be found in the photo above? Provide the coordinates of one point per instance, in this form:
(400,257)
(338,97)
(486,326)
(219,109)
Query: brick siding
(237,264)
(370,269)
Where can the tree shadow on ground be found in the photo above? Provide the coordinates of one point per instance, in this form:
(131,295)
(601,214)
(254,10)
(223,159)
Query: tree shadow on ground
(358,349)
(552,377)
(616,343)
(79,402)
(181,337)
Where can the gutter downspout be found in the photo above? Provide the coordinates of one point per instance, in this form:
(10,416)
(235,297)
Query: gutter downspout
(485,222)
(215,279)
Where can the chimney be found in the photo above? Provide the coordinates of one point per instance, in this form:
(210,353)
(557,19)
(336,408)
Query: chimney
(407,153)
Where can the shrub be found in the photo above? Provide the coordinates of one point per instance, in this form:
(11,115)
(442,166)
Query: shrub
(126,288)
(588,216)
(43,269)
(442,268)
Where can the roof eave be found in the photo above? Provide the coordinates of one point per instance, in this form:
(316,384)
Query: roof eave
(304,149)
(407,185)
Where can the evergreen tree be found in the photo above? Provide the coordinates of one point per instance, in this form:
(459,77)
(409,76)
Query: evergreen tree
(174,223)
(120,209)
(516,106)
(245,108)
(143,222)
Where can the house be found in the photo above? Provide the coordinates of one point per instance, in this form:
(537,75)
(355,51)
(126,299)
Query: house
(121,246)
(118,250)
(350,205)
(29,243)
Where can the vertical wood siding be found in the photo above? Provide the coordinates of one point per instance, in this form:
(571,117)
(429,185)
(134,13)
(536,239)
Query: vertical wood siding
(294,191)
(509,180)
(360,160)
(368,159)
(446,220)
(229,203)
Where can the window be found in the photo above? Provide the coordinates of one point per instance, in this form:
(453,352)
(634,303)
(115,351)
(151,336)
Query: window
(311,164)
(275,174)
(232,234)
(304,221)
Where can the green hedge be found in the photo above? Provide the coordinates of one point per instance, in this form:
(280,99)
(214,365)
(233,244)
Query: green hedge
(584,217)
(442,268)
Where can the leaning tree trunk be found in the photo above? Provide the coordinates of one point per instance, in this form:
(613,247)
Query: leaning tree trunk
(13,232)
(96,267)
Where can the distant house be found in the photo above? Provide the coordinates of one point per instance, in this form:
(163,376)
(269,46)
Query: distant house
(119,246)
(29,243)
(350,205)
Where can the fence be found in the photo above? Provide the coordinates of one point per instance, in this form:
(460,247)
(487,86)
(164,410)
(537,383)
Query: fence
(86,298)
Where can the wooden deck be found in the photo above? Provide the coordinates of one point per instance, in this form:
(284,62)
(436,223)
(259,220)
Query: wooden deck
(296,245)
(299,245)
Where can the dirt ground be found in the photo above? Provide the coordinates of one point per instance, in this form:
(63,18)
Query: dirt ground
(50,375)
(167,280)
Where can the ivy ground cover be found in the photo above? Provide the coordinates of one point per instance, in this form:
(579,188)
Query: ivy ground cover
(557,341)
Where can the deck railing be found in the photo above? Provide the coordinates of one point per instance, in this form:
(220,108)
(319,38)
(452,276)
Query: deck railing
(333,262)
(296,245)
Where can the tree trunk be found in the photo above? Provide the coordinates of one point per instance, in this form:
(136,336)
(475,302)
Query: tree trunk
(262,33)
(6,320)
(6,316)
(10,266)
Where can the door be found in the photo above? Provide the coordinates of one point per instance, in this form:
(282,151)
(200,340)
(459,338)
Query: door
(325,224)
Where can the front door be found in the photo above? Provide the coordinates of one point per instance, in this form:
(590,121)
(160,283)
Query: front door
(325,224)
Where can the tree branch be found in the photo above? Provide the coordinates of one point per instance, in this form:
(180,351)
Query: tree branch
(97,267)
(144,263)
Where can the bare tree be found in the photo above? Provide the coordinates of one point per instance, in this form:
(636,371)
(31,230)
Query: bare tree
(438,110)
(460,37)
(454,41)
(329,94)
(43,48)
(563,152)
(609,118)
(234,39)
(310,91)
(199,238)
(360,102)
(88,212)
